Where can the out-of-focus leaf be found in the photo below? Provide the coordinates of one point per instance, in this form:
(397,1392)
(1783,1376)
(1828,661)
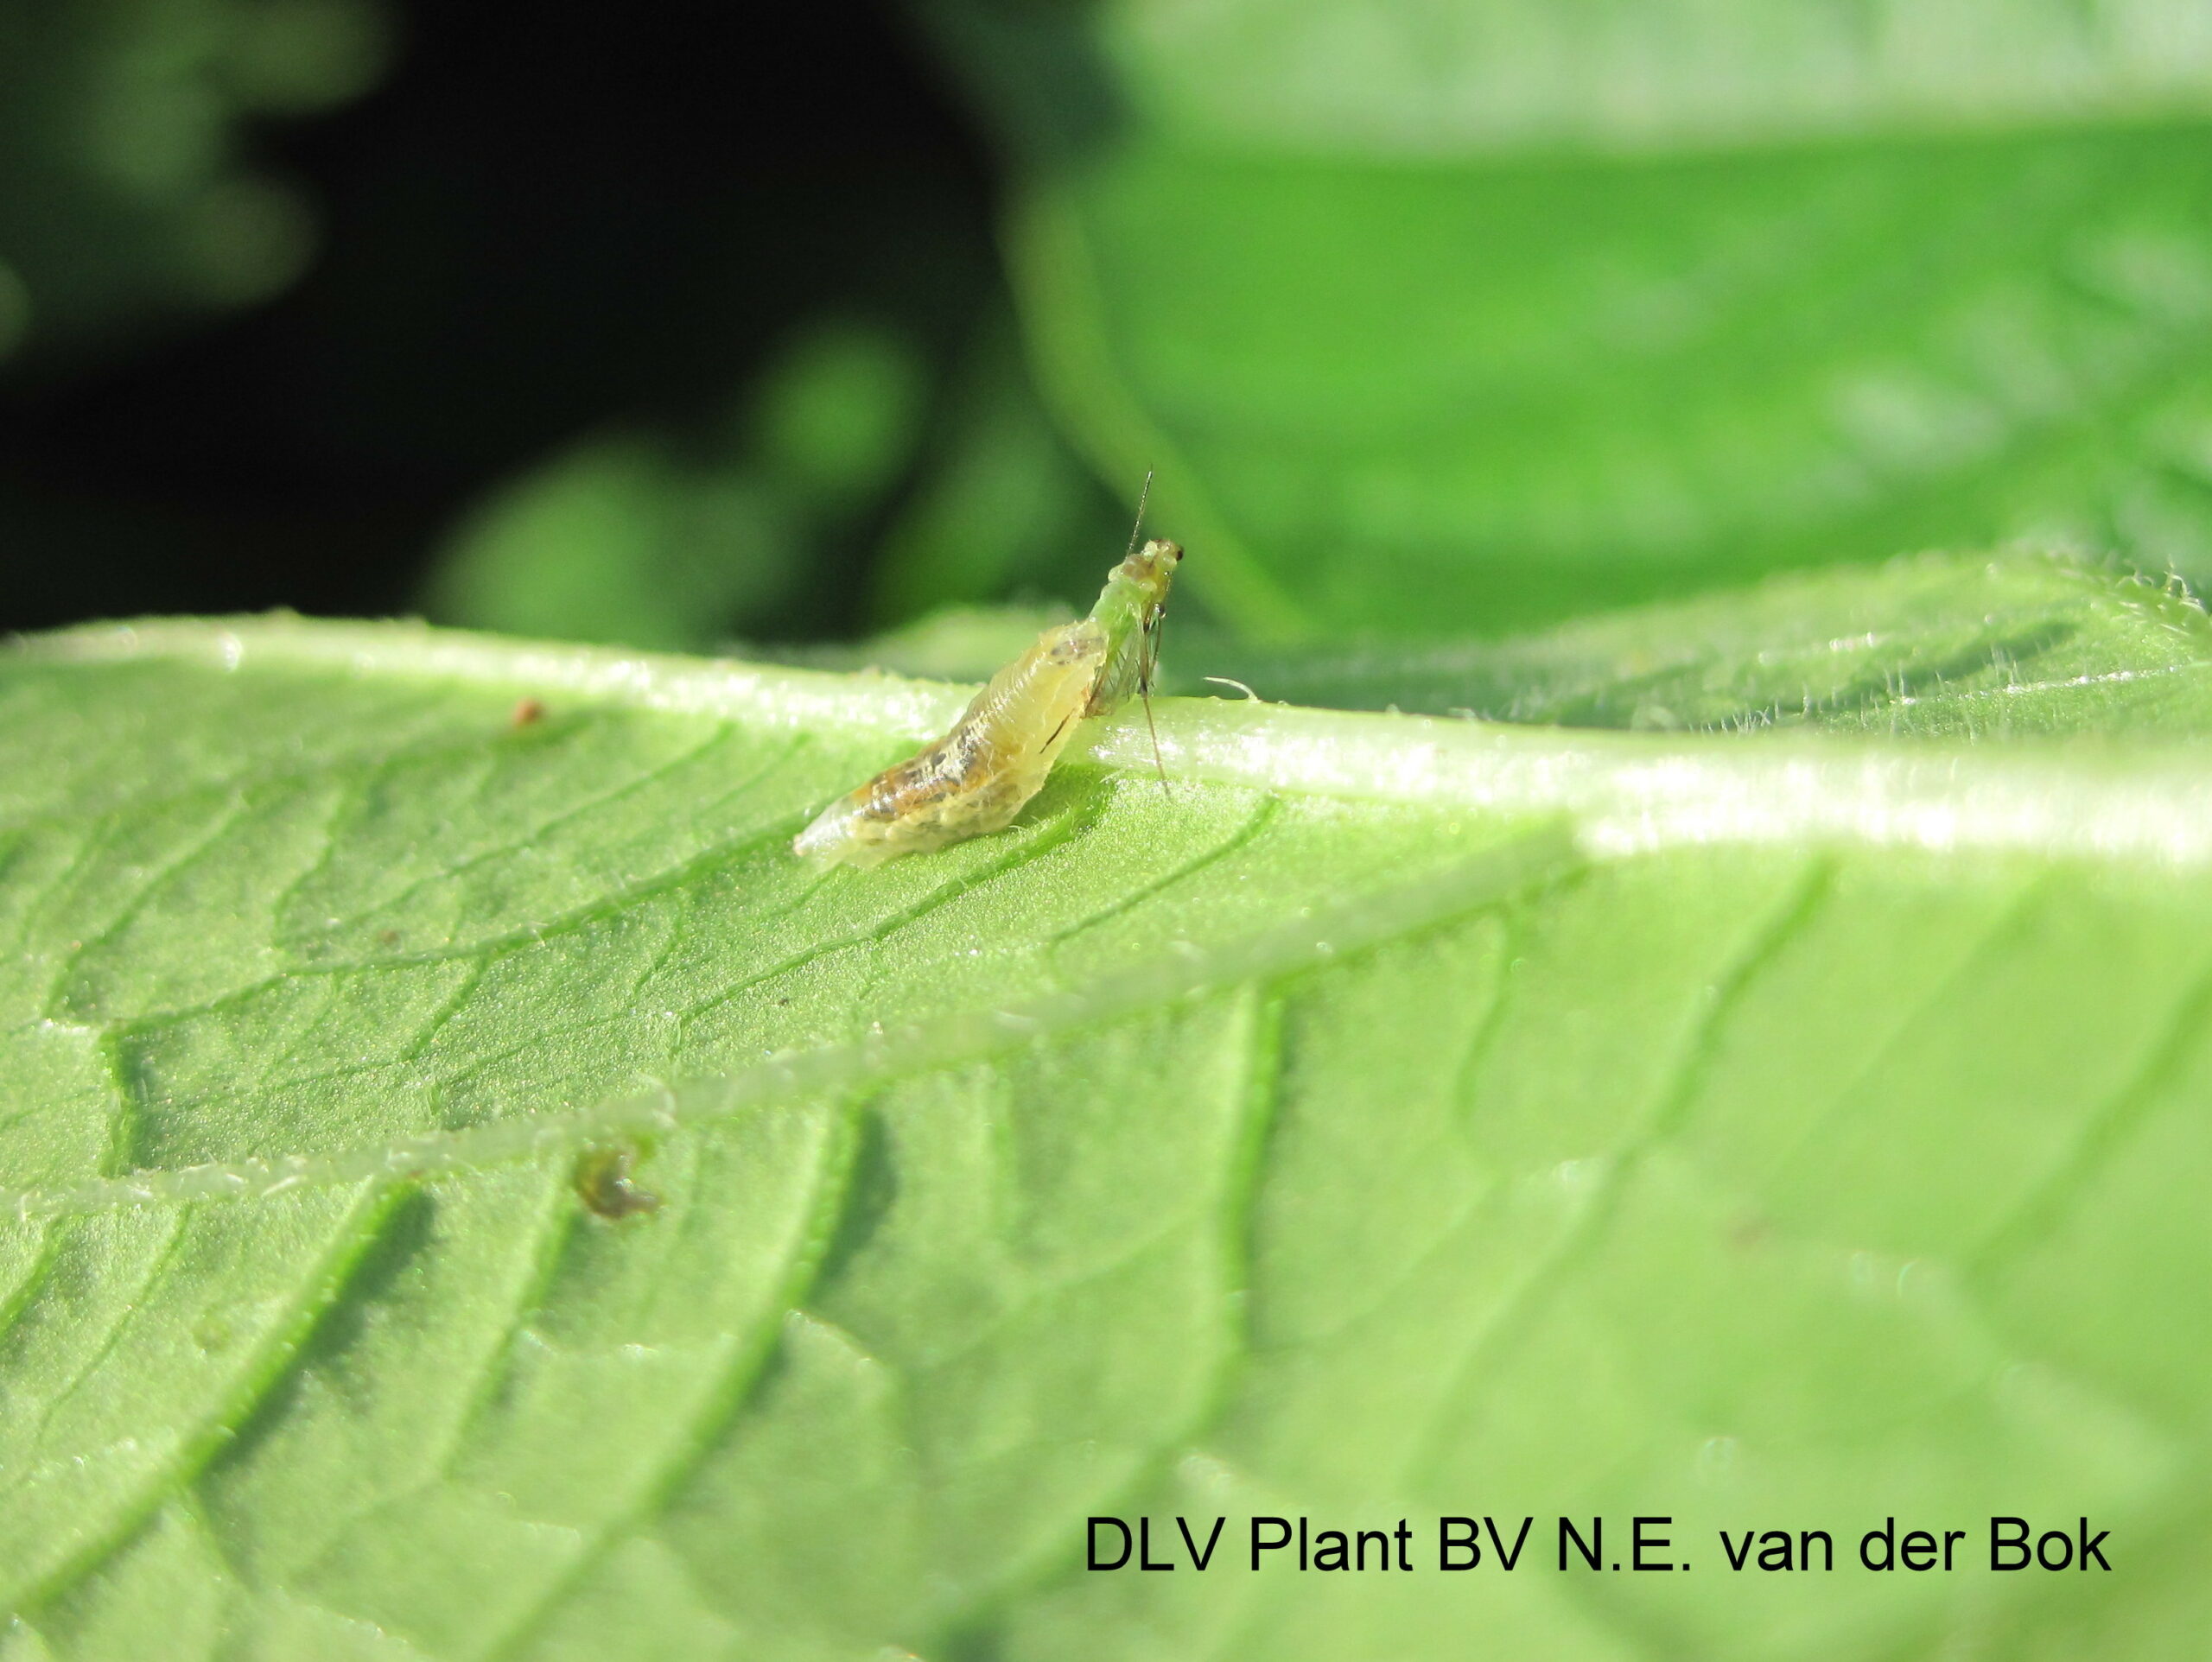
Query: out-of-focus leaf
(123,200)
(1002,507)
(656,541)
(836,415)
(962,642)
(620,541)
(1447,318)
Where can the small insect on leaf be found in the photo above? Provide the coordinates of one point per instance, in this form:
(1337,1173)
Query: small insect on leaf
(603,1183)
(1131,606)
(528,712)
(977,777)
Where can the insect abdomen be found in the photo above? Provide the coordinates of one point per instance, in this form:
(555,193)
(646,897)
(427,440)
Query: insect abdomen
(979,775)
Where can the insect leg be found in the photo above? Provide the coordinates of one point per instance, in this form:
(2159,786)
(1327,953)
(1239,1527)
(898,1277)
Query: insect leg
(1148,668)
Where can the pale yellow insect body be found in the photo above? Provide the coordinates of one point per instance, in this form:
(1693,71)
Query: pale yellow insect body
(979,775)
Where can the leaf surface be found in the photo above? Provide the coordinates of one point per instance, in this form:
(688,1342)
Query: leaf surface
(1405,1117)
(1955,646)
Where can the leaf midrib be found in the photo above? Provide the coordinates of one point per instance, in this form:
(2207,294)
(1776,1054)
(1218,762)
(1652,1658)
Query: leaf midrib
(2145,801)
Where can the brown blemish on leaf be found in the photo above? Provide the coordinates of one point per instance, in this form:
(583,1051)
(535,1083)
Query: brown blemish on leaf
(602,1183)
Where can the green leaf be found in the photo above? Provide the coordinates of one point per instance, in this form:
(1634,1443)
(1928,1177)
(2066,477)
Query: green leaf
(1962,646)
(121,200)
(1404,1117)
(1446,321)
(959,643)
(620,540)
(1001,507)
(654,540)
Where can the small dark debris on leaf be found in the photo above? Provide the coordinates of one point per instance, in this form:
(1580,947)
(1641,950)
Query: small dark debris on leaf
(387,937)
(602,1182)
(528,712)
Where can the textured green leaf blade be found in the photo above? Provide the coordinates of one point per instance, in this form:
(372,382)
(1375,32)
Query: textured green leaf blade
(1953,646)
(1403,1117)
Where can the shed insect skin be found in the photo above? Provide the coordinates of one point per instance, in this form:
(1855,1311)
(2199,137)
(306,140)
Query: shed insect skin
(979,775)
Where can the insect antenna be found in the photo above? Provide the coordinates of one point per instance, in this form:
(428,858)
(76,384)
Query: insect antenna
(1144,495)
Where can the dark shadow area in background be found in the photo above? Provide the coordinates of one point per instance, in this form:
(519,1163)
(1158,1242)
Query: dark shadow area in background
(543,217)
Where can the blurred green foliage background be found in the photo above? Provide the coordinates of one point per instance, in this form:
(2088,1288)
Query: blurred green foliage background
(341,306)
(703,325)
